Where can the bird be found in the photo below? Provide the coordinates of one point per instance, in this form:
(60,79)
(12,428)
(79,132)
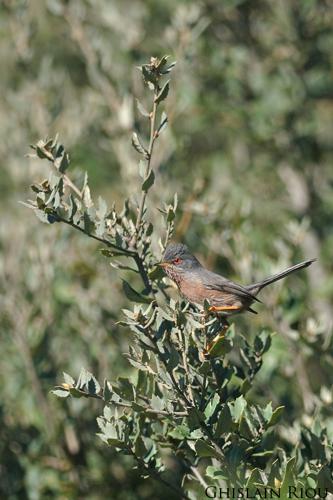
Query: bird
(197,284)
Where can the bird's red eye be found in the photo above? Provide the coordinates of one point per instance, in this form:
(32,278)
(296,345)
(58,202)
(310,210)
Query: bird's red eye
(177,261)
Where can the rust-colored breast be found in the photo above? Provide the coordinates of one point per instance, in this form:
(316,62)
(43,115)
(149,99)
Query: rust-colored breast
(194,291)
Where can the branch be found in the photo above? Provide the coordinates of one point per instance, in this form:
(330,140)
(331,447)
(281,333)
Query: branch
(199,476)
(97,238)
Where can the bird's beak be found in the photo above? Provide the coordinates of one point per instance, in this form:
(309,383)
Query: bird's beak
(163,264)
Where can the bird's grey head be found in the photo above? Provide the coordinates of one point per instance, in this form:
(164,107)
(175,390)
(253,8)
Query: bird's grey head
(178,257)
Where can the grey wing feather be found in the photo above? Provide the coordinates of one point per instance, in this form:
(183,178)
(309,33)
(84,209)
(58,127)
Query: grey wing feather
(217,282)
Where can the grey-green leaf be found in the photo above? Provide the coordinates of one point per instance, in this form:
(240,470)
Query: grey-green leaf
(138,146)
(148,182)
(163,93)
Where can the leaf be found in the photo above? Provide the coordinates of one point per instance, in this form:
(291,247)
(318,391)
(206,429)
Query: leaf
(224,421)
(163,93)
(76,393)
(83,379)
(163,123)
(162,62)
(157,403)
(203,449)
(61,393)
(135,296)
(211,406)
(142,168)
(275,416)
(150,78)
(68,379)
(44,217)
(87,200)
(324,478)
(61,160)
(93,385)
(136,143)
(169,68)
(267,412)
(214,472)
(125,389)
(180,432)
(148,182)
(88,223)
(194,418)
(142,109)
(220,346)
(289,479)
(253,479)
(102,208)
(237,408)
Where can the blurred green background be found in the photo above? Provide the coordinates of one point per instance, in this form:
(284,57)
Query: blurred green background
(249,150)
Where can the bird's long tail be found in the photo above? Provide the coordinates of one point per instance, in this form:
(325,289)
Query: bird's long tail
(256,287)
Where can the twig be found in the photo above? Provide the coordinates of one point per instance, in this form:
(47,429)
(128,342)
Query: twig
(97,238)
(72,186)
(123,404)
(183,346)
(198,476)
(153,137)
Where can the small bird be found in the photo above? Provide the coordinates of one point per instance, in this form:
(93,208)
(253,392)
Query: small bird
(197,284)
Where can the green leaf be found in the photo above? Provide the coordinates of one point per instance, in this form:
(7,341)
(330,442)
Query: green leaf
(180,432)
(267,412)
(163,93)
(203,449)
(220,347)
(89,225)
(163,123)
(125,389)
(289,478)
(76,393)
(142,109)
(135,296)
(148,182)
(68,379)
(61,160)
(150,78)
(275,416)
(194,418)
(142,168)
(214,472)
(169,68)
(45,217)
(237,408)
(93,386)
(253,479)
(136,143)
(157,403)
(211,406)
(173,358)
(224,421)
(324,478)
(61,393)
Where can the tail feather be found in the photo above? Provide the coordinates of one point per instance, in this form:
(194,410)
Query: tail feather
(256,287)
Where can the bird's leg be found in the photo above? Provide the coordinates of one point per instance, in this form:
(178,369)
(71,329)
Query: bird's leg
(216,309)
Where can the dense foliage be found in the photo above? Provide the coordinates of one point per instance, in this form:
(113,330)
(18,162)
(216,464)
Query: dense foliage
(247,148)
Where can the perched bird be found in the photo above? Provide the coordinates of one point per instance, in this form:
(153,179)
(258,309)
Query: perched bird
(197,284)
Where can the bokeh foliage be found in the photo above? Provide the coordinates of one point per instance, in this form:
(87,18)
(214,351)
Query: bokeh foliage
(248,149)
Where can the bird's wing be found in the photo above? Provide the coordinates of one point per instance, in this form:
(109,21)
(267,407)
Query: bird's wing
(216,282)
